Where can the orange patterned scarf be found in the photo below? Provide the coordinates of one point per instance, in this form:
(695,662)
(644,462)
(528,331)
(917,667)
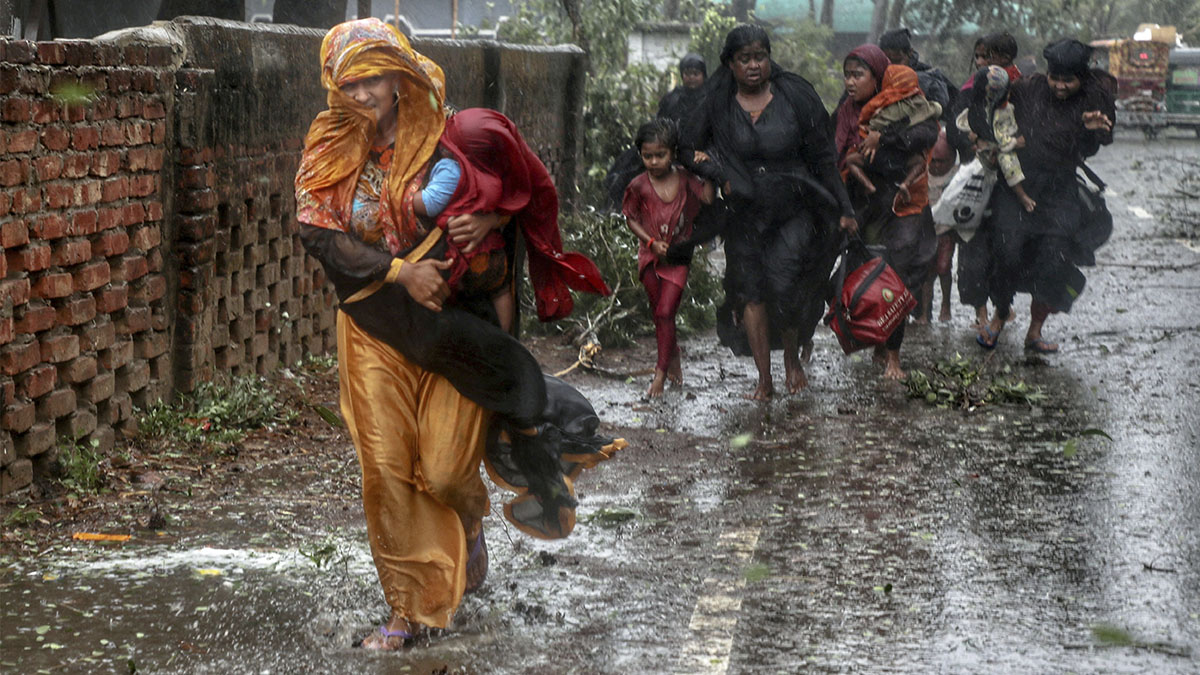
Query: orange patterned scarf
(339,139)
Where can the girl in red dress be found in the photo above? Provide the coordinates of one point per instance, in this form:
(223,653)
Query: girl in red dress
(660,206)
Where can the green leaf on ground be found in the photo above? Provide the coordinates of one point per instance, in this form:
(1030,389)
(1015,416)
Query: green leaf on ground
(331,418)
(757,572)
(1107,634)
(740,441)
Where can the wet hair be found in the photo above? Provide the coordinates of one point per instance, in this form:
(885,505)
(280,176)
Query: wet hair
(1001,44)
(693,62)
(659,130)
(741,36)
(897,38)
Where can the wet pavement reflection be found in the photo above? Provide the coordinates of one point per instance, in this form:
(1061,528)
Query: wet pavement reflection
(846,529)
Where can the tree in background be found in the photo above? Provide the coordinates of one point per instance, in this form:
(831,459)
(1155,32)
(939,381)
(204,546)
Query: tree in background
(1034,23)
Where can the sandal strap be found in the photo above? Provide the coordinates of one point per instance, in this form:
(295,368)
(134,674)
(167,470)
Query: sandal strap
(402,634)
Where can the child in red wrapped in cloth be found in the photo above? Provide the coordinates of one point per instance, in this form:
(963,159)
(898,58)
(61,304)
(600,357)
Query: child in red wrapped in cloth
(660,206)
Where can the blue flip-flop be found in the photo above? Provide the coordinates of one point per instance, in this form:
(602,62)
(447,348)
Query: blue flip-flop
(991,336)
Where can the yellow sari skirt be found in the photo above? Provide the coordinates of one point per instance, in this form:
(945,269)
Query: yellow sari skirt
(419,445)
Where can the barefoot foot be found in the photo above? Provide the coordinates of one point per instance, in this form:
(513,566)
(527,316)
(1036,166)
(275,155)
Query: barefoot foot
(656,385)
(763,392)
(796,380)
(892,370)
(806,352)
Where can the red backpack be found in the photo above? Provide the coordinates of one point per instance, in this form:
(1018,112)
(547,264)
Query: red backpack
(869,302)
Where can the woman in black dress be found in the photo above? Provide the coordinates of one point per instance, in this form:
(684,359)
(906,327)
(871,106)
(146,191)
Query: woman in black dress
(763,135)
(1065,116)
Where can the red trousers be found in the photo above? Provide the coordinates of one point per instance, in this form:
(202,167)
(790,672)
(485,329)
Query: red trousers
(664,303)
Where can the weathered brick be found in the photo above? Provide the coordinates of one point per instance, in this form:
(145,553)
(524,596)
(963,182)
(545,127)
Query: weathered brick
(84,138)
(92,276)
(76,165)
(52,285)
(143,185)
(59,195)
(133,376)
(111,133)
(20,51)
(59,348)
(136,132)
(71,252)
(46,111)
(77,370)
(56,404)
(34,317)
(150,344)
(154,210)
(51,53)
(9,75)
(113,216)
(104,108)
(148,289)
(16,476)
(55,139)
(100,334)
(18,357)
(196,201)
(15,291)
(133,320)
(8,453)
(49,226)
(22,141)
(48,167)
(117,355)
(79,52)
(195,254)
(129,267)
(98,388)
(112,298)
(158,318)
(37,381)
(195,227)
(119,79)
(26,201)
(77,424)
(30,258)
(135,214)
(191,156)
(154,109)
(115,188)
(154,260)
(117,408)
(7,330)
(14,233)
(110,243)
(76,311)
(158,134)
(5,204)
(16,110)
(38,439)
(19,416)
(146,238)
(88,192)
(13,172)
(105,163)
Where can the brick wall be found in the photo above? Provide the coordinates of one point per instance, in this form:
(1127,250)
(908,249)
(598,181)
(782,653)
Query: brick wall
(83,140)
(147,219)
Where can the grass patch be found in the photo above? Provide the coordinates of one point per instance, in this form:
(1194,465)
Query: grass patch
(216,414)
(79,466)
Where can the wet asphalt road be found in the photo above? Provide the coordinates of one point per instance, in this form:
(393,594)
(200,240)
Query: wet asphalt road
(846,529)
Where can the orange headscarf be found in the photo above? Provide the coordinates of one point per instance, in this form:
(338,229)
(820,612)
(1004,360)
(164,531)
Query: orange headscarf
(339,139)
(899,83)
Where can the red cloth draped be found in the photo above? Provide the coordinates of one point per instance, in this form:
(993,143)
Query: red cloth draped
(501,173)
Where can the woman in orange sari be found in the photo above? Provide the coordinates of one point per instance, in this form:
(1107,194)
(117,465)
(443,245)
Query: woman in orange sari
(430,385)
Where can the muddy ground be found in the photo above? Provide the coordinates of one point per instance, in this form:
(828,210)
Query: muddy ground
(849,528)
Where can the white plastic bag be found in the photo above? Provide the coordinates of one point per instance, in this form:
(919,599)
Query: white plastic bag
(964,200)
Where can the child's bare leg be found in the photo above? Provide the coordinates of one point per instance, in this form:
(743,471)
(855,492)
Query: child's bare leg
(675,371)
(861,176)
(505,308)
(944,314)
